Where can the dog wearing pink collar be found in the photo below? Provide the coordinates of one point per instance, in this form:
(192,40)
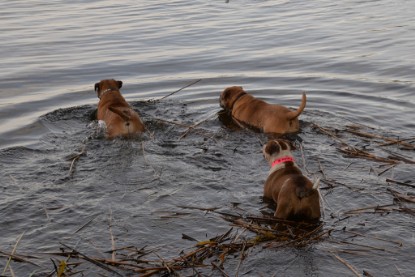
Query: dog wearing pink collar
(297,198)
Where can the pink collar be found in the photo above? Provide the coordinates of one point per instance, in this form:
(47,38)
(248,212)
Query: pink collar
(282,160)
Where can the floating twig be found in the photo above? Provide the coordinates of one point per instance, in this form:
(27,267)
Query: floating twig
(166,265)
(321,169)
(387,169)
(197,124)
(398,243)
(403,142)
(389,140)
(366,273)
(399,271)
(156,174)
(86,223)
(172,122)
(20,258)
(241,258)
(352,268)
(186,86)
(331,183)
(329,133)
(303,157)
(220,269)
(12,254)
(93,261)
(401,197)
(74,159)
(365,209)
(398,157)
(355,152)
(365,246)
(199,208)
(113,251)
(400,183)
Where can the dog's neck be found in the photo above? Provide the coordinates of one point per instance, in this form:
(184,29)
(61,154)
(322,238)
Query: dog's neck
(108,90)
(279,162)
(237,98)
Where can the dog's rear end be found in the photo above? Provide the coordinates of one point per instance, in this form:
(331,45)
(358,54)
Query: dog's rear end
(120,119)
(297,198)
(123,122)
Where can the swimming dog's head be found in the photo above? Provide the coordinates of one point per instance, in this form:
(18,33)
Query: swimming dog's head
(275,149)
(229,96)
(105,86)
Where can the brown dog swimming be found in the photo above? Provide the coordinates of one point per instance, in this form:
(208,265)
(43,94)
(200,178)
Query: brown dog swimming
(120,119)
(268,118)
(297,198)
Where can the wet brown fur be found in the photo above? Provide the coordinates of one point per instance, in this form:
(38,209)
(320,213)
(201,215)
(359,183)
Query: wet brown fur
(113,109)
(289,188)
(269,118)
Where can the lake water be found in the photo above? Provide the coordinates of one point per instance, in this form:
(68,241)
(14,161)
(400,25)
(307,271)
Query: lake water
(354,59)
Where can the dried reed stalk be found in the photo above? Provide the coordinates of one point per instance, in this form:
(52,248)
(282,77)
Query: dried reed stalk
(186,86)
(74,159)
(92,260)
(401,197)
(389,141)
(400,183)
(113,251)
(12,254)
(197,124)
(348,265)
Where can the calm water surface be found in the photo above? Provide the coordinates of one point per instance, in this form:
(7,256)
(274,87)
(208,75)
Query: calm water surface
(353,58)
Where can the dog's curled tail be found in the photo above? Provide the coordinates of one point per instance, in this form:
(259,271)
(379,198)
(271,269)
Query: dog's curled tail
(294,114)
(316,184)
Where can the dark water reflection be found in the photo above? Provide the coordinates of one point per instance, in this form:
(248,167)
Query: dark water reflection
(354,60)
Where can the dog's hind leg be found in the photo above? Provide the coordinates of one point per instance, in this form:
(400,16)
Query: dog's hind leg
(284,209)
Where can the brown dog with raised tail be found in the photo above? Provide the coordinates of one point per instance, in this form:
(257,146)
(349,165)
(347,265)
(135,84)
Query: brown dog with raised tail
(120,119)
(269,118)
(297,198)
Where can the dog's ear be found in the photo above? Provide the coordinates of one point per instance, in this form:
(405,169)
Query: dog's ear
(228,92)
(272,147)
(225,94)
(119,83)
(96,87)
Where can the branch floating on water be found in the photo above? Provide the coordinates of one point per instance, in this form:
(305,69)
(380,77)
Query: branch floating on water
(186,86)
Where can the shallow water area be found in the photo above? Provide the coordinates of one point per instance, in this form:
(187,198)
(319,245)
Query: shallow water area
(64,185)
